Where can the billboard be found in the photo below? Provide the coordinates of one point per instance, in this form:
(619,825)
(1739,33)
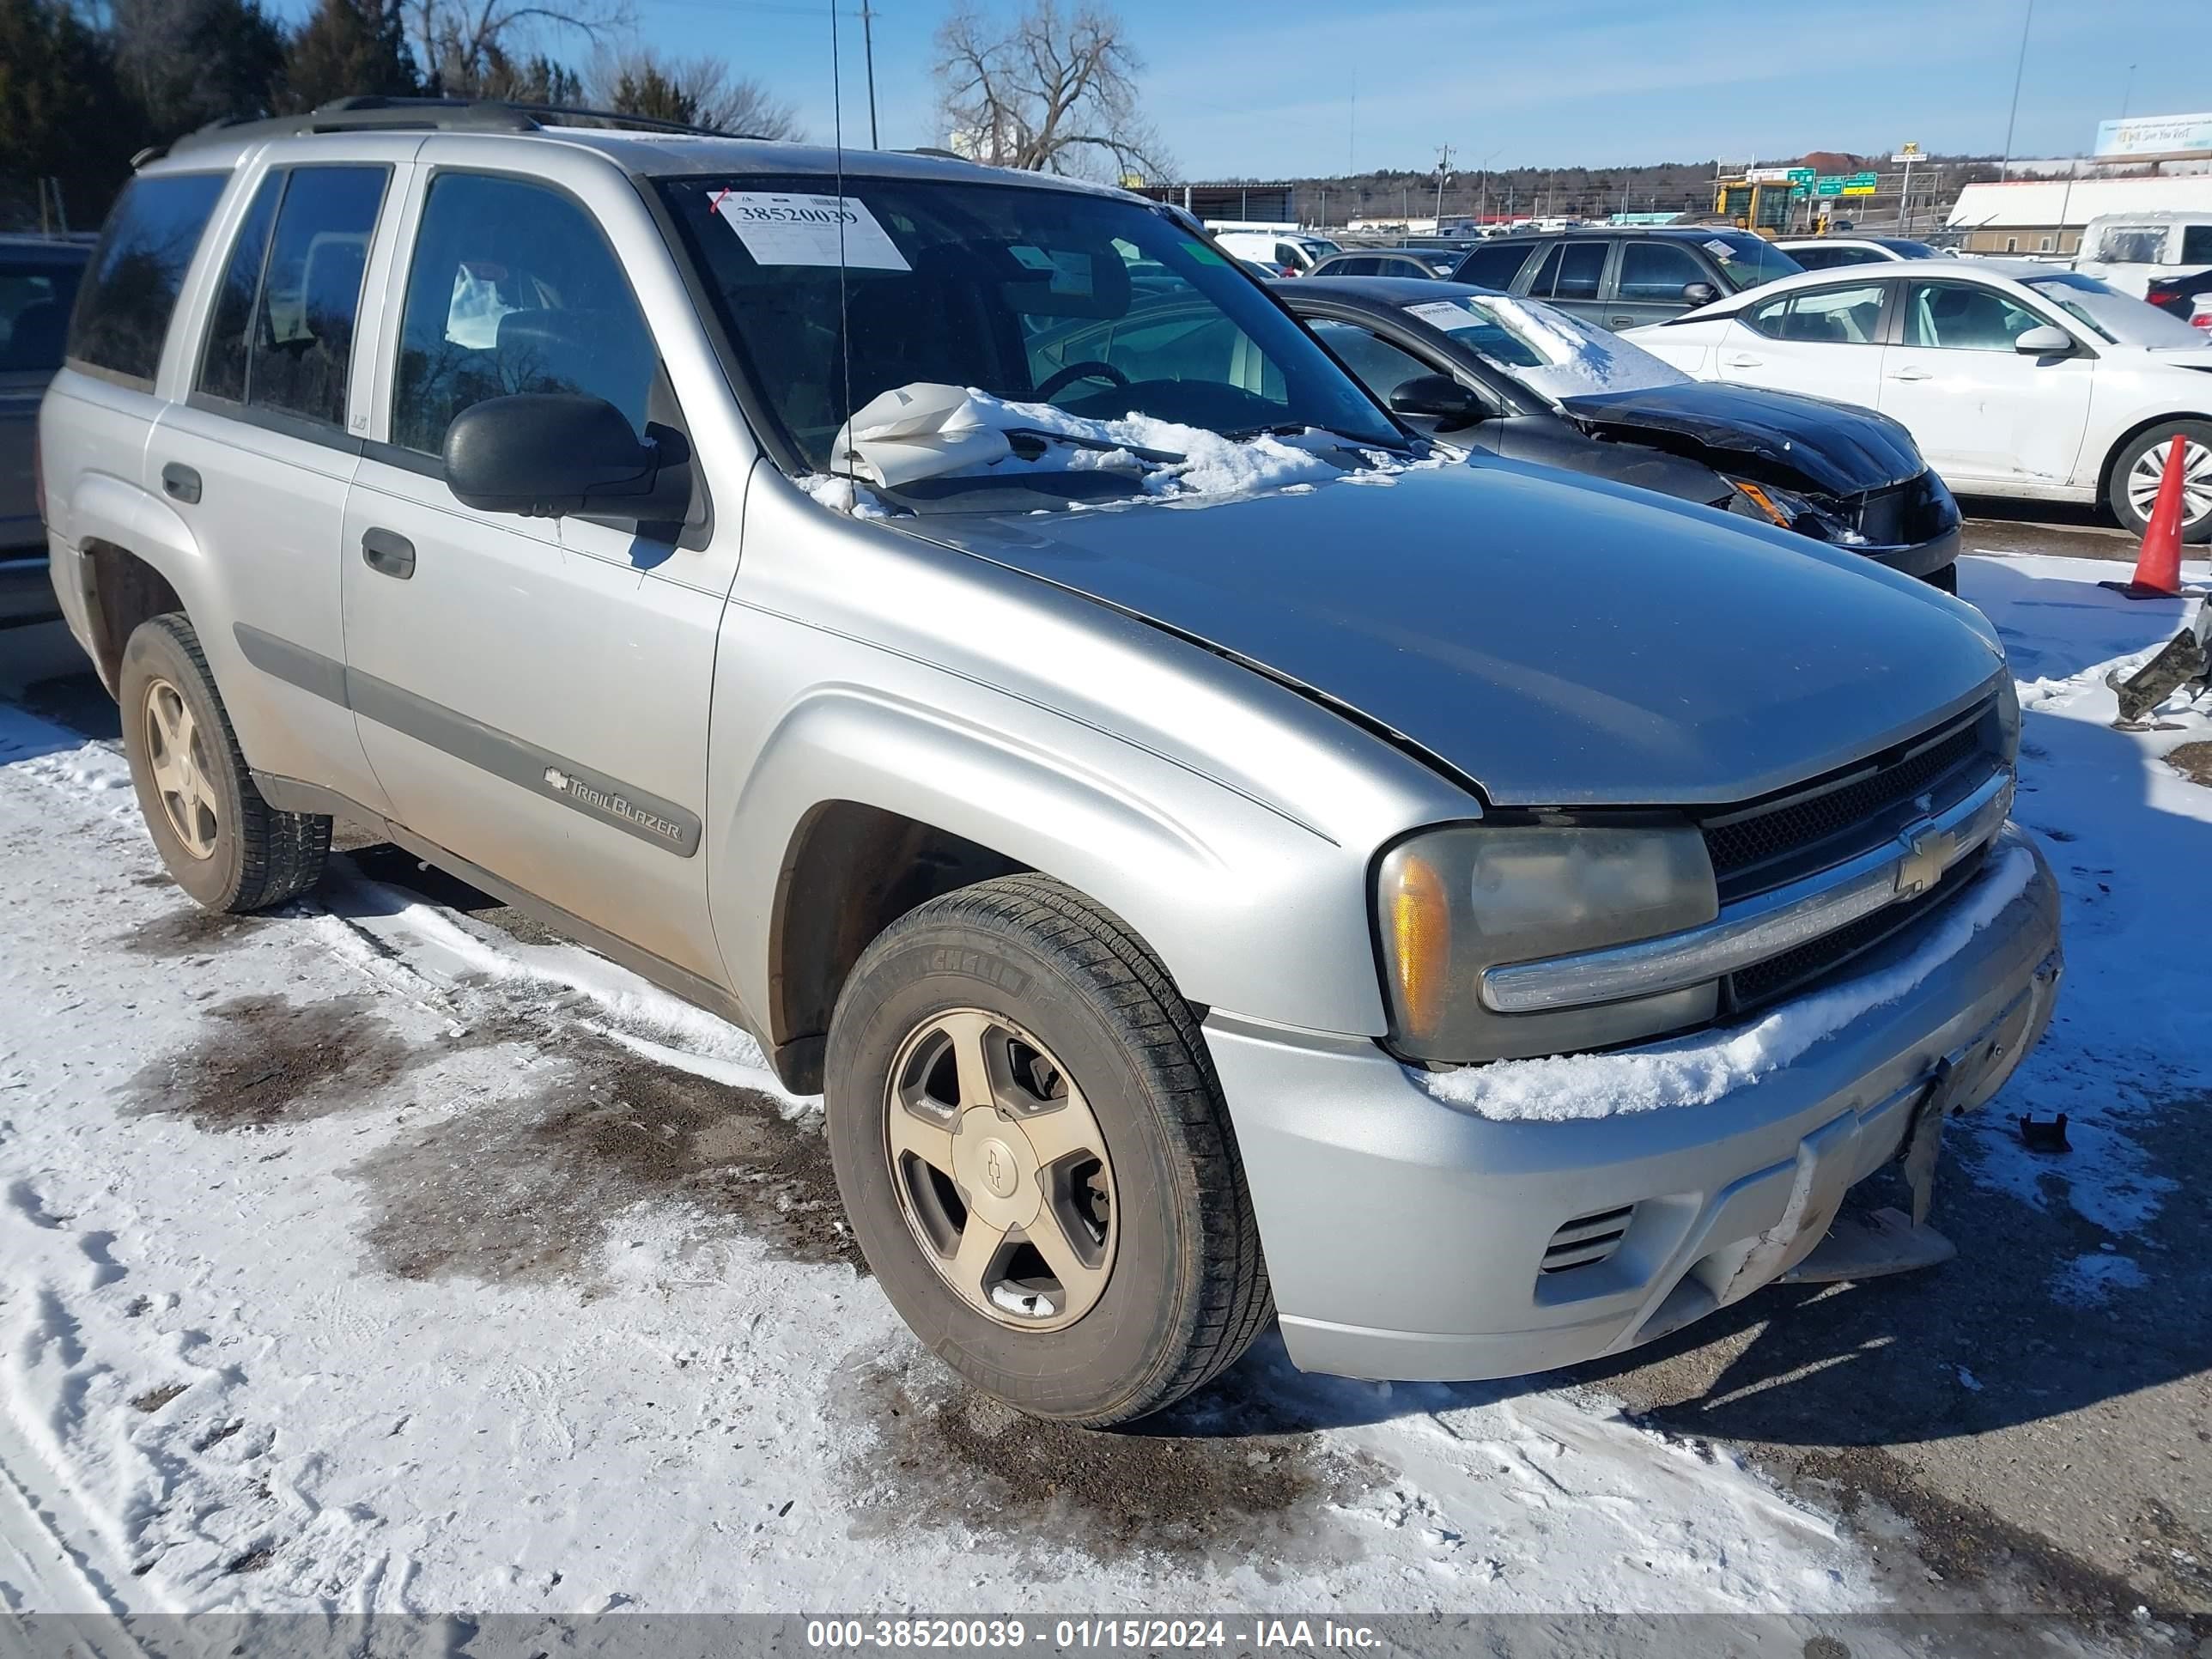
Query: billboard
(2154,134)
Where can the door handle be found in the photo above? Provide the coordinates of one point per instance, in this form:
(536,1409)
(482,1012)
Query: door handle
(1619,322)
(388,553)
(181,482)
(1740,362)
(1912,374)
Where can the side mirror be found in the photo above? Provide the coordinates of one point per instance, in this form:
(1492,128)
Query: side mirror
(2043,340)
(1439,397)
(548,454)
(1699,294)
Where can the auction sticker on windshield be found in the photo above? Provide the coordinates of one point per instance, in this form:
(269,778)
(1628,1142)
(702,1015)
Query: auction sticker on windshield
(808,230)
(1446,314)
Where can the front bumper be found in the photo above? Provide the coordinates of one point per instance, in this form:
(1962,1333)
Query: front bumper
(1922,559)
(1406,1237)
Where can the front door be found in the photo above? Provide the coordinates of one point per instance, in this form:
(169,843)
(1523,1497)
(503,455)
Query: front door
(1980,410)
(532,692)
(1649,280)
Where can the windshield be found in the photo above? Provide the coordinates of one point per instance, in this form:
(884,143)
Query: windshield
(2111,315)
(1905,247)
(1096,308)
(1554,354)
(1747,260)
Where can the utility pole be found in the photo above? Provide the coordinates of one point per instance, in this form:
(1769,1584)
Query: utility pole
(2127,92)
(1443,178)
(2027,17)
(868,44)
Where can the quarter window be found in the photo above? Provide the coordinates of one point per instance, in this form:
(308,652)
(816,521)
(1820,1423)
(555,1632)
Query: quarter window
(1953,316)
(1821,316)
(223,361)
(1655,273)
(514,289)
(123,312)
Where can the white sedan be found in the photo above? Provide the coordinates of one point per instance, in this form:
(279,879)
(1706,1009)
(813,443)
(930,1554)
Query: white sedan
(2014,378)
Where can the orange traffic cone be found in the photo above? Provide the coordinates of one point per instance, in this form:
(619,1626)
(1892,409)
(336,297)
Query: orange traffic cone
(2158,567)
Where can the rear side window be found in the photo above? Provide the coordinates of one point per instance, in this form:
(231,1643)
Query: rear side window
(122,312)
(2196,245)
(1822,316)
(222,360)
(1492,266)
(1655,271)
(35,296)
(1380,367)
(514,289)
(1573,270)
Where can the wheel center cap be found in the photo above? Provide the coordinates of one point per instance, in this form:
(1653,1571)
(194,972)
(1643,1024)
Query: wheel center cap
(995,1168)
(995,1161)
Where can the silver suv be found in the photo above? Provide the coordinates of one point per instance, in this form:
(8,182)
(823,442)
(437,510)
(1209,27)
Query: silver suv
(1215,855)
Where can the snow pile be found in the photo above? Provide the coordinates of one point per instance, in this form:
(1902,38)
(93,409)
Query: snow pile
(1696,1071)
(930,431)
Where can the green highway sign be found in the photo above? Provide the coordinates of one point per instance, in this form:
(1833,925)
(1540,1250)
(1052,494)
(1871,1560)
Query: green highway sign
(1830,184)
(1802,176)
(1859,181)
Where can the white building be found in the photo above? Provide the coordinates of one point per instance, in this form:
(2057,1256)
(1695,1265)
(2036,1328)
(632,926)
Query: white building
(2046,215)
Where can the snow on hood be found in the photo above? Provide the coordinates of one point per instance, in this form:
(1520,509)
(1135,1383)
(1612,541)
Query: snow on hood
(927,430)
(1696,1070)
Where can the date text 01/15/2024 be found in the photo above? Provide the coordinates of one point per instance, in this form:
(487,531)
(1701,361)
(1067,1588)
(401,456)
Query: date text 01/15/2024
(1127,1634)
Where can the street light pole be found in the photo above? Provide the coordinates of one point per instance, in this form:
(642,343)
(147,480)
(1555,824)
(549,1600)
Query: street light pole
(868,44)
(2027,17)
(1443,178)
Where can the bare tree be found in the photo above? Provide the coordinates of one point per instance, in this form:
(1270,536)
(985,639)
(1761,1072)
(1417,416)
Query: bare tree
(1048,91)
(484,48)
(700,91)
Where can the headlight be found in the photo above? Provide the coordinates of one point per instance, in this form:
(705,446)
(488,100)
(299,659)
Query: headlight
(1452,902)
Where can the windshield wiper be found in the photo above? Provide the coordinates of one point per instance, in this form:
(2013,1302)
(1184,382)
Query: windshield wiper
(1293,429)
(1030,441)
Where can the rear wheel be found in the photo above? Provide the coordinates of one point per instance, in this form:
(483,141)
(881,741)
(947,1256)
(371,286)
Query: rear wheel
(219,840)
(1033,1151)
(2132,491)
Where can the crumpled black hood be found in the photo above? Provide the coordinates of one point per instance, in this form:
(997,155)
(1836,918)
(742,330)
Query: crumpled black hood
(1840,449)
(1560,642)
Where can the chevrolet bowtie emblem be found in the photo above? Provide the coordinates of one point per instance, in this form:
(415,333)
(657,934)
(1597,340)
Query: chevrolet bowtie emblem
(1922,867)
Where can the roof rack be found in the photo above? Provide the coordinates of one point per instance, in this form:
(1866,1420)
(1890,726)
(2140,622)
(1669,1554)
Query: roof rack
(376,113)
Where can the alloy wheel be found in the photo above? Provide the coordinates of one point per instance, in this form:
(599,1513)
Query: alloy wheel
(177,754)
(1000,1170)
(2149,472)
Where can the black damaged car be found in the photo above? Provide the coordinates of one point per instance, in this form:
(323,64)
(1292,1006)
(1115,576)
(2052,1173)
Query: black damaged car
(1522,380)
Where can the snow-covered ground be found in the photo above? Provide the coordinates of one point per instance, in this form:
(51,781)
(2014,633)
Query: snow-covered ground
(363,1259)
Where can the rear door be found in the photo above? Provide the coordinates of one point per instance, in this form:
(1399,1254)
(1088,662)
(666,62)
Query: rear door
(1826,341)
(258,453)
(1980,410)
(533,691)
(1648,281)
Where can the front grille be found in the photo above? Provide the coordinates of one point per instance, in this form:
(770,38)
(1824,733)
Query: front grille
(1763,845)
(1586,1240)
(1793,970)
(1881,517)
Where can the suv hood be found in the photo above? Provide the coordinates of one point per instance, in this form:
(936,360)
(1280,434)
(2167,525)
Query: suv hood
(1833,448)
(1557,642)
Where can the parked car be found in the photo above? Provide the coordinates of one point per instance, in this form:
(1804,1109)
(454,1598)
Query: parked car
(1519,379)
(2131,251)
(1827,253)
(2188,297)
(2015,379)
(1418,264)
(1295,254)
(1150,886)
(1623,277)
(37,284)
(1266,270)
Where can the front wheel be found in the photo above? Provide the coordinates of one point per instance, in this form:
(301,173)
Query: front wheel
(1033,1151)
(2132,492)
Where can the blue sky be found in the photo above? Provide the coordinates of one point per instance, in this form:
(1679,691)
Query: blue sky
(1261,87)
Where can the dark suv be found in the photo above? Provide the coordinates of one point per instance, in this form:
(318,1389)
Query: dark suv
(37,284)
(1623,278)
